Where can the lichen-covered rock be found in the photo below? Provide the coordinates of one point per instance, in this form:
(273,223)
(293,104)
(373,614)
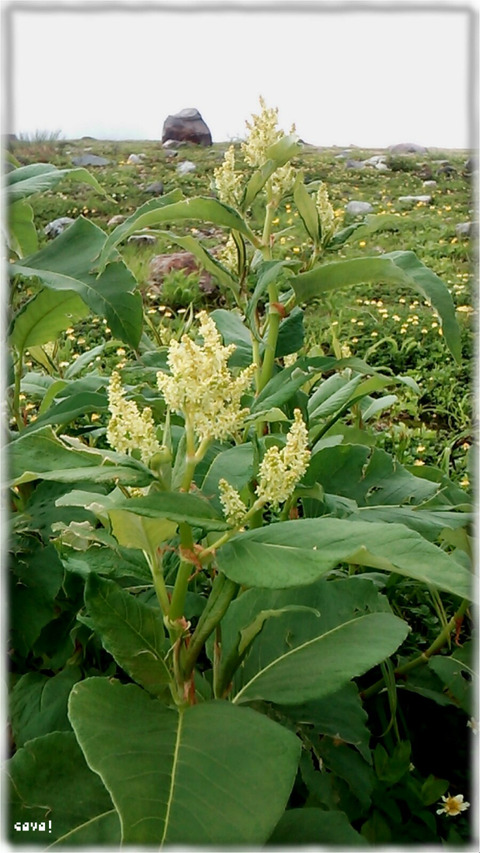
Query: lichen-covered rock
(57,226)
(358,208)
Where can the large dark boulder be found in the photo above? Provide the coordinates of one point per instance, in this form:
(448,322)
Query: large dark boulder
(187,126)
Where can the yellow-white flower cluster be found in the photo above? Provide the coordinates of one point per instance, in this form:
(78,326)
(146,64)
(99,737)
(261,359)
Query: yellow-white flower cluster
(281,470)
(279,473)
(201,386)
(228,255)
(128,429)
(264,133)
(234,509)
(325,212)
(228,182)
(282,181)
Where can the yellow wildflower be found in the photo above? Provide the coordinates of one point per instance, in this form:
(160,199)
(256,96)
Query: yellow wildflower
(128,429)
(201,387)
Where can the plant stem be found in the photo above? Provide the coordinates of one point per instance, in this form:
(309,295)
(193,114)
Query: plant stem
(424,657)
(179,593)
(222,593)
(274,318)
(158,582)
(16,392)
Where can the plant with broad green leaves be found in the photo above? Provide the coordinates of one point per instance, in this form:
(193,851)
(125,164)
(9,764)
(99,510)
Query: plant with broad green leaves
(209,586)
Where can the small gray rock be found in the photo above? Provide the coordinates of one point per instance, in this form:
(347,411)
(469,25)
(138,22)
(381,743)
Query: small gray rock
(90,160)
(57,226)
(375,159)
(358,208)
(414,199)
(382,167)
(464,229)
(407,148)
(173,143)
(429,184)
(185,167)
(156,188)
(142,239)
(135,159)
(355,164)
(117,219)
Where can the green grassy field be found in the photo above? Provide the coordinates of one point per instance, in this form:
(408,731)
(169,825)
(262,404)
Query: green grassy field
(384,326)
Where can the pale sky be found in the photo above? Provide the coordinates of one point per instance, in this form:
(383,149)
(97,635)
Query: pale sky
(345,73)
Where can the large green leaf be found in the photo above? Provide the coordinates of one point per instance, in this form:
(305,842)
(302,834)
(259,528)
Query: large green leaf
(65,265)
(398,268)
(134,531)
(322,664)
(42,318)
(73,407)
(40,177)
(307,209)
(132,632)
(211,775)
(23,236)
(38,703)
(41,455)
(176,506)
(371,477)
(233,331)
(167,209)
(36,577)
(234,465)
(315,827)
(276,155)
(298,552)
(51,784)
(326,605)
(339,715)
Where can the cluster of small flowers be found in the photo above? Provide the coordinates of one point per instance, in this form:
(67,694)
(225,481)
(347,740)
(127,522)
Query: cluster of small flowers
(234,509)
(282,181)
(227,181)
(325,212)
(281,470)
(279,473)
(201,387)
(128,429)
(228,255)
(263,133)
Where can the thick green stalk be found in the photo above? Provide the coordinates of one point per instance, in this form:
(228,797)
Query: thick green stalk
(177,604)
(274,318)
(222,593)
(424,657)
(16,392)
(158,582)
